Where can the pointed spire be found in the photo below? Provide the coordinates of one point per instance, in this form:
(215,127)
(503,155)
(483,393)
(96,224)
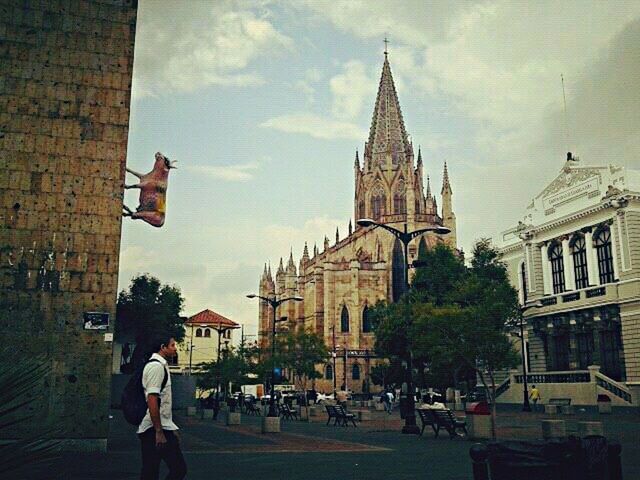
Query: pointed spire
(305,252)
(280,267)
(446,186)
(357,162)
(269,277)
(419,156)
(264,272)
(428,188)
(350,228)
(387,133)
(337,235)
(326,243)
(315,249)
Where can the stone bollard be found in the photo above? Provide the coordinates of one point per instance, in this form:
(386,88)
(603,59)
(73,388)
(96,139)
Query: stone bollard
(364,415)
(567,410)
(207,413)
(590,428)
(379,406)
(551,409)
(191,411)
(553,429)
(233,418)
(303,412)
(270,424)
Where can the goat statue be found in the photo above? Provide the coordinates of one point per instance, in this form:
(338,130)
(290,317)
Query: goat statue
(153,192)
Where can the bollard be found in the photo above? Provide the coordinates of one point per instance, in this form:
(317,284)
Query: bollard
(303,412)
(551,409)
(207,413)
(270,424)
(233,418)
(553,429)
(590,428)
(479,454)
(379,406)
(567,410)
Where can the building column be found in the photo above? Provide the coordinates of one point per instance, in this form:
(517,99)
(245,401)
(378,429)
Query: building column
(614,229)
(569,274)
(592,259)
(546,269)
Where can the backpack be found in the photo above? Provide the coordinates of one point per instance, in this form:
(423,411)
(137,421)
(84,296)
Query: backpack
(133,401)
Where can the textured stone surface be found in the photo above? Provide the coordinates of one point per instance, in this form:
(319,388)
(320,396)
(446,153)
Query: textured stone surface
(270,424)
(554,429)
(65,90)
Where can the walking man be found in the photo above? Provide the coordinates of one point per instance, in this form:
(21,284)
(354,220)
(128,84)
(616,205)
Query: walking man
(535,396)
(157,432)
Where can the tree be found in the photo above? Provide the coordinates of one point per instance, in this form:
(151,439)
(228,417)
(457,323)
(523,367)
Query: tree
(236,366)
(145,309)
(300,351)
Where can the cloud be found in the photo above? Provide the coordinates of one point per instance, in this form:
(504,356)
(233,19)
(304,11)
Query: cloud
(307,84)
(315,126)
(230,173)
(351,89)
(184,46)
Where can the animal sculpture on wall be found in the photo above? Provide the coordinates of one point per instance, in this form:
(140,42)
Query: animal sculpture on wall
(153,192)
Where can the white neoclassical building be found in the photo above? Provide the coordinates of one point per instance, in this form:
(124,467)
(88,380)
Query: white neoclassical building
(577,252)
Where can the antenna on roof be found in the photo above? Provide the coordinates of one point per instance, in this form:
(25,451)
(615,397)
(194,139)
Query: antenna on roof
(566,124)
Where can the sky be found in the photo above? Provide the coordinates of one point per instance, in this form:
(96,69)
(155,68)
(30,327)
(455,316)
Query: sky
(264,104)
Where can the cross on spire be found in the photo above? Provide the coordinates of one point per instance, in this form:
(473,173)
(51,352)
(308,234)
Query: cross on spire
(386,44)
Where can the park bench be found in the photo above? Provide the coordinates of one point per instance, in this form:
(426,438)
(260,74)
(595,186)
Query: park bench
(340,415)
(559,405)
(288,413)
(250,408)
(447,420)
(427,418)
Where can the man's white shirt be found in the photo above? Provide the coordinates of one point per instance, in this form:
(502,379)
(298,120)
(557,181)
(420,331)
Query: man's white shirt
(152,377)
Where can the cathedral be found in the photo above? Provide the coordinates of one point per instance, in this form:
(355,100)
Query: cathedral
(341,282)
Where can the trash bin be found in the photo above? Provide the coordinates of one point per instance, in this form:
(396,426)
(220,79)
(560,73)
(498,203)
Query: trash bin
(403,405)
(478,420)
(604,403)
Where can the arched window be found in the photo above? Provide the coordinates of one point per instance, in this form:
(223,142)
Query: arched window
(198,332)
(557,267)
(328,372)
(579,254)
(207,333)
(344,319)
(602,242)
(366,321)
(361,212)
(378,202)
(418,208)
(355,372)
(400,199)
(523,281)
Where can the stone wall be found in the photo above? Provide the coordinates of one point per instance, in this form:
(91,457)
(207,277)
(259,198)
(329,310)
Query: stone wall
(65,90)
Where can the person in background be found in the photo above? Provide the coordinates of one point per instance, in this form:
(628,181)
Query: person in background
(535,397)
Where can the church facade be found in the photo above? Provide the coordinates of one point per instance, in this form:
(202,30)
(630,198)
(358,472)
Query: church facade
(341,282)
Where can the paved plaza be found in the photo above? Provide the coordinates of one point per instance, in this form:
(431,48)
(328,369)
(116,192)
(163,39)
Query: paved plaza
(303,450)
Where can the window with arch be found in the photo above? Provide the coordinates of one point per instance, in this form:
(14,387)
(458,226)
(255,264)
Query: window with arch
(400,199)
(344,319)
(355,372)
(366,320)
(207,333)
(523,282)
(579,254)
(378,202)
(418,208)
(328,372)
(557,267)
(602,243)
(361,212)
(198,332)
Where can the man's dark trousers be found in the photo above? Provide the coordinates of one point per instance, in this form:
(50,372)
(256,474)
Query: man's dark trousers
(152,455)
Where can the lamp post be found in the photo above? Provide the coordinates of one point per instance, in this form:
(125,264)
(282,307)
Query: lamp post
(405,237)
(275,303)
(333,356)
(526,407)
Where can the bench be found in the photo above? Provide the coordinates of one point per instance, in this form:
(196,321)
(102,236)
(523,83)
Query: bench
(559,405)
(340,415)
(447,420)
(250,408)
(288,413)
(427,418)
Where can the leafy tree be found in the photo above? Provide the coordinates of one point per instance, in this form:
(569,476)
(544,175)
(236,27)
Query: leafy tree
(236,367)
(145,309)
(388,373)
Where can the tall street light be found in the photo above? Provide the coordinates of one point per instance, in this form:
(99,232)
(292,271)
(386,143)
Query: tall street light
(275,303)
(526,407)
(406,237)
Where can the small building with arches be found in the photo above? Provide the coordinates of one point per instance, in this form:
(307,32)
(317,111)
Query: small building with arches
(577,253)
(340,281)
(204,332)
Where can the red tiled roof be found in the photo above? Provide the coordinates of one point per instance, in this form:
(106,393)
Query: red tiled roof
(211,318)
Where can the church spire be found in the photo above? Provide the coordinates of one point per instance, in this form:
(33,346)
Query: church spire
(357,162)
(446,186)
(428,187)
(387,135)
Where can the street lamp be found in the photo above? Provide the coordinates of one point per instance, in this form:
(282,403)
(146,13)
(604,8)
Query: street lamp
(406,237)
(275,303)
(526,407)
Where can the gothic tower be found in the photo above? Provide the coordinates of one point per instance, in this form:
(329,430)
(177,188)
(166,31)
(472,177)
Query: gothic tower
(448,217)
